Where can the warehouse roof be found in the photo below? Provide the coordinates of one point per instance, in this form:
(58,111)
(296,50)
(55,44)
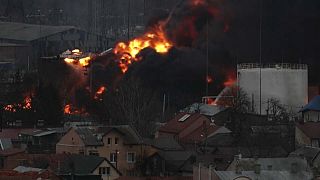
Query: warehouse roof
(29,32)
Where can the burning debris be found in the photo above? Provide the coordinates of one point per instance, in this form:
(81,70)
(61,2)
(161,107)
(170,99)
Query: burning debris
(76,57)
(99,93)
(155,38)
(26,105)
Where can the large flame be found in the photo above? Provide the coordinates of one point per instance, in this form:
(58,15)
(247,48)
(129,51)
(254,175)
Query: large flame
(69,109)
(155,39)
(77,57)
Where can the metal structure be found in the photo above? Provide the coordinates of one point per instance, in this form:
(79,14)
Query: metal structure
(286,82)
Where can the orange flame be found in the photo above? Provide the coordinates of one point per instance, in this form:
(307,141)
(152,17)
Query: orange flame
(69,109)
(76,57)
(26,104)
(100,91)
(155,39)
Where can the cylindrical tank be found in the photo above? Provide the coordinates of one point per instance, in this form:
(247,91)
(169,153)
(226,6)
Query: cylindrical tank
(286,82)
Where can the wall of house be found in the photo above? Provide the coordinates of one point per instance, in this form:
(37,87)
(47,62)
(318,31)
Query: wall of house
(70,143)
(125,167)
(301,139)
(311,116)
(113,173)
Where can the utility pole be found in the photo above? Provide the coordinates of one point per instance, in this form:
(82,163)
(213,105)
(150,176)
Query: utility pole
(260,50)
(128,25)
(207,60)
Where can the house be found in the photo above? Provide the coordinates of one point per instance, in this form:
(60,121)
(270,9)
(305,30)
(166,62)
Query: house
(121,145)
(86,167)
(79,141)
(311,111)
(308,152)
(188,129)
(170,163)
(307,134)
(27,173)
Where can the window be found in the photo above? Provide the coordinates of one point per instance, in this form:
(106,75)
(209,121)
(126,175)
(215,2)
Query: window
(108,171)
(81,151)
(94,153)
(113,157)
(102,170)
(116,140)
(109,141)
(131,157)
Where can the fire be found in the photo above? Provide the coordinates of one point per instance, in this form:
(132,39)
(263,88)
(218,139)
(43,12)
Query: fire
(209,79)
(155,39)
(100,91)
(76,57)
(26,104)
(69,109)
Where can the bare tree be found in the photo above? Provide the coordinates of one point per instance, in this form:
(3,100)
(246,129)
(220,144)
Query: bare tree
(235,98)
(277,111)
(133,104)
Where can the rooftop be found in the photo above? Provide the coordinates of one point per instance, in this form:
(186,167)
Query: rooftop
(29,32)
(310,129)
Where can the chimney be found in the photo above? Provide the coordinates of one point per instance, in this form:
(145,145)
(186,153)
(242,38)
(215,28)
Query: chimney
(294,167)
(257,168)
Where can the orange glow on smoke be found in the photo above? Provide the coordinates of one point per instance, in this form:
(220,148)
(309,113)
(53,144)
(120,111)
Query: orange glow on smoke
(197,2)
(230,81)
(98,94)
(67,109)
(155,39)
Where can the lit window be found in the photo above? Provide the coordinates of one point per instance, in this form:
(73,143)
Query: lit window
(131,157)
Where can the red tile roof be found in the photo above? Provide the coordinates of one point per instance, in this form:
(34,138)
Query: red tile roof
(175,126)
(200,133)
(310,129)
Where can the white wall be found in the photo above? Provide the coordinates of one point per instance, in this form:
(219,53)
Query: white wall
(290,86)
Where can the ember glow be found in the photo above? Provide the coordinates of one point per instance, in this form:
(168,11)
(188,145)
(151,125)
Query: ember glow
(155,39)
(197,2)
(26,104)
(209,79)
(69,109)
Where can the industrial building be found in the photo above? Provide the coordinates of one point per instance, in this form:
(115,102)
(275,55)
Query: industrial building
(287,83)
(22,44)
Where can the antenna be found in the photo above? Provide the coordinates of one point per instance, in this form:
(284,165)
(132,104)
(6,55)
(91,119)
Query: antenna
(207,59)
(260,47)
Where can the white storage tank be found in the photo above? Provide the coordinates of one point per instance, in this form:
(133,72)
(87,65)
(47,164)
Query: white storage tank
(286,82)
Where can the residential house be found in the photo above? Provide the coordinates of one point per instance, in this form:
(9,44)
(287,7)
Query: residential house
(311,111)
(188,129)
(121,145)
(27,173)
(86,167)
(307,134)
(79,141)
(311,154)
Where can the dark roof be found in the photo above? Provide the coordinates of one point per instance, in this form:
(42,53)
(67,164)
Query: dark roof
(308,152)
(29,32)
(88,137)
(310,129)
(80,164)
(313,105)
(218,140)
(164,143)
(175,160)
